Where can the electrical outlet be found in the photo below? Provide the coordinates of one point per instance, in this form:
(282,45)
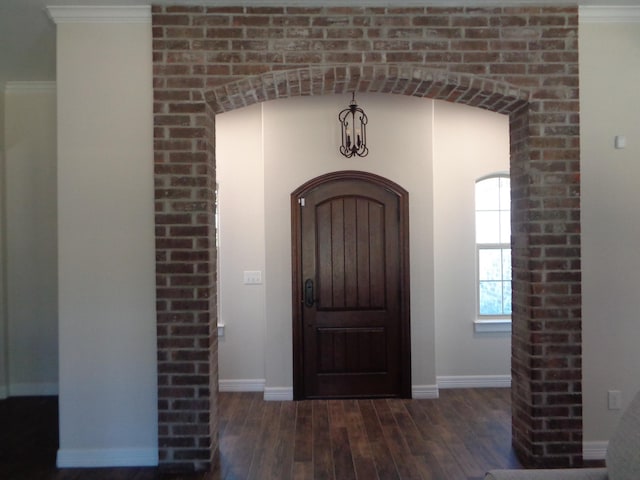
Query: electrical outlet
(615,399)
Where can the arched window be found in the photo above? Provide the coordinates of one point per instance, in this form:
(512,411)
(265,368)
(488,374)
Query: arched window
(493,246)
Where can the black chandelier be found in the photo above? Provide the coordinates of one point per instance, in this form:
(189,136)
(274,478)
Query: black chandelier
(353,122)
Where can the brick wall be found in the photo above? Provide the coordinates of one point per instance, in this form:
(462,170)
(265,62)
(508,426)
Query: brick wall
(519,61)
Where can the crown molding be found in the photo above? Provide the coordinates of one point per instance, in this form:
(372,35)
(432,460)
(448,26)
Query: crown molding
(619,14)
(99,14)
(29,87)
(142,13)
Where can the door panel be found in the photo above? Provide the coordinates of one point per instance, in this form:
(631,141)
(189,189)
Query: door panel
(351,350)
(350,251)
(351,333)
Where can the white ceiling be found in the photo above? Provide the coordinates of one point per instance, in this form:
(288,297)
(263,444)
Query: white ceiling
(27,35)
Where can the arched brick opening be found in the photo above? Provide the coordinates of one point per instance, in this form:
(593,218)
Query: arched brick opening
(413,80)
(517,61)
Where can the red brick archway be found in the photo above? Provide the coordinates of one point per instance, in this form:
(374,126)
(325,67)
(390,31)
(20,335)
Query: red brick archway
(517,61)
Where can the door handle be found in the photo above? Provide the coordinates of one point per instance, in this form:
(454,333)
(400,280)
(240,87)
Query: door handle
(309,299)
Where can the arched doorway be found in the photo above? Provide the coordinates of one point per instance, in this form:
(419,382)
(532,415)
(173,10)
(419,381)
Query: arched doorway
(486,60)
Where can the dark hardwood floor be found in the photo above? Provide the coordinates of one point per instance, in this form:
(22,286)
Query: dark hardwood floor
(456,437)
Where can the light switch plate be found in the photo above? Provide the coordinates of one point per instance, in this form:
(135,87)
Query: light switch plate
(252,277)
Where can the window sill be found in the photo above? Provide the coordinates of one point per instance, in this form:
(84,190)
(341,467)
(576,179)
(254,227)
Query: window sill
(495,325)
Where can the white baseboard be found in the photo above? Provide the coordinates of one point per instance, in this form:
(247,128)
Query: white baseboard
(32,389)
(474,381)
(417,391)
(422,392)
(278,393)
(249,385)
(594,450)
(256,385)
(107,457)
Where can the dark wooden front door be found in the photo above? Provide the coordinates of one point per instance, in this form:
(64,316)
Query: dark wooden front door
(351,288)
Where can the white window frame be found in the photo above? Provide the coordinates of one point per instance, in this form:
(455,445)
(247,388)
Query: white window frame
(488,323)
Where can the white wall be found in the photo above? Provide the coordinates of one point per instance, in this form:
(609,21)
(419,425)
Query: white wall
(300,138)
(108,377)
(4,352)
(610,227)
(31,231)
(2,117)
(469,143)
(240,177)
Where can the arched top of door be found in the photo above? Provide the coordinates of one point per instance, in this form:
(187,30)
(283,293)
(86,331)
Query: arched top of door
(350,175)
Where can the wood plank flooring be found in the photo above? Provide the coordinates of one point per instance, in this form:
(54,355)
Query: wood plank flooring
(456,437)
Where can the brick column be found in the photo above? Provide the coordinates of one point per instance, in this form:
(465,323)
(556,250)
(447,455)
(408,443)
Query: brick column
(546,340)
(186,273)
